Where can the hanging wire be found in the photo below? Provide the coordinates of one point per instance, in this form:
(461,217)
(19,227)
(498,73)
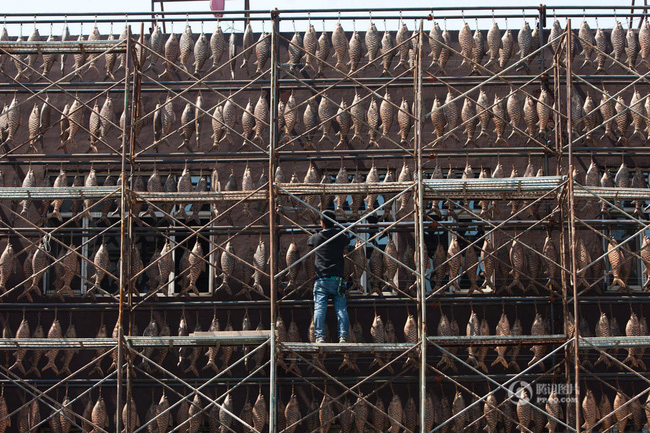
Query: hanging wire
(293,23)
(506,24)
(201,26)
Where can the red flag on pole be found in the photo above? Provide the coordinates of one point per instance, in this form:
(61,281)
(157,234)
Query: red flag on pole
(216,6)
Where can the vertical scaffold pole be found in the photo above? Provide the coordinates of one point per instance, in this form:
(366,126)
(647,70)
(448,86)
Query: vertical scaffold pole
(123,227)
(273,241)
(419,234)
(572,227)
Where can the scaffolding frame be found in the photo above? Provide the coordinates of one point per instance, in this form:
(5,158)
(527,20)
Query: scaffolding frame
(563,189)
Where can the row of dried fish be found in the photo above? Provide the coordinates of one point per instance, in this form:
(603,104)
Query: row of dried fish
(190,414)
(529,268)
(480,327)
(55,331)
(616,117)
(71,121)
(607,326)
(593,178)
(595,46)
(621,257)
(522,412)
(455,413)
(309,49)
(536,113)
(67,266)
(187,359)
(205,183)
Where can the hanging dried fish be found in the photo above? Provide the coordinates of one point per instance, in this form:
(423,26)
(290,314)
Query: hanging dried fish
(526,47)
(172,53)
(345,121)
(622,119)
(261,113)
(539,350)
(403,45)
(502,330)
(387,52)
(7,266)
(183,331)
(195,354)
(518,261)
(323,52)
(373,123)
(435,43)
(260,413)
(494,44)
(617,259)
(53,333)
(466,42)
(295,51)
(310,120)
(22,332)
(378,334)
(290,117)
(373,41)
(478,51)
(470,120)
(227,268)
(376,268)
(68,354)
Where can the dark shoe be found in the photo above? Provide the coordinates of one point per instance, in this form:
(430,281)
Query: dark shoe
(343,340)
(320,340)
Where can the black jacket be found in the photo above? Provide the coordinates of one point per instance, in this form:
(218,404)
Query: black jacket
(329,259)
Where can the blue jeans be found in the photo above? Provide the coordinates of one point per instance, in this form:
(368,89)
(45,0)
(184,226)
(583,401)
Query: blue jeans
(323,290)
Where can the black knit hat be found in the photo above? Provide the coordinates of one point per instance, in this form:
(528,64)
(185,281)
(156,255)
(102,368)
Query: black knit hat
(324,218)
